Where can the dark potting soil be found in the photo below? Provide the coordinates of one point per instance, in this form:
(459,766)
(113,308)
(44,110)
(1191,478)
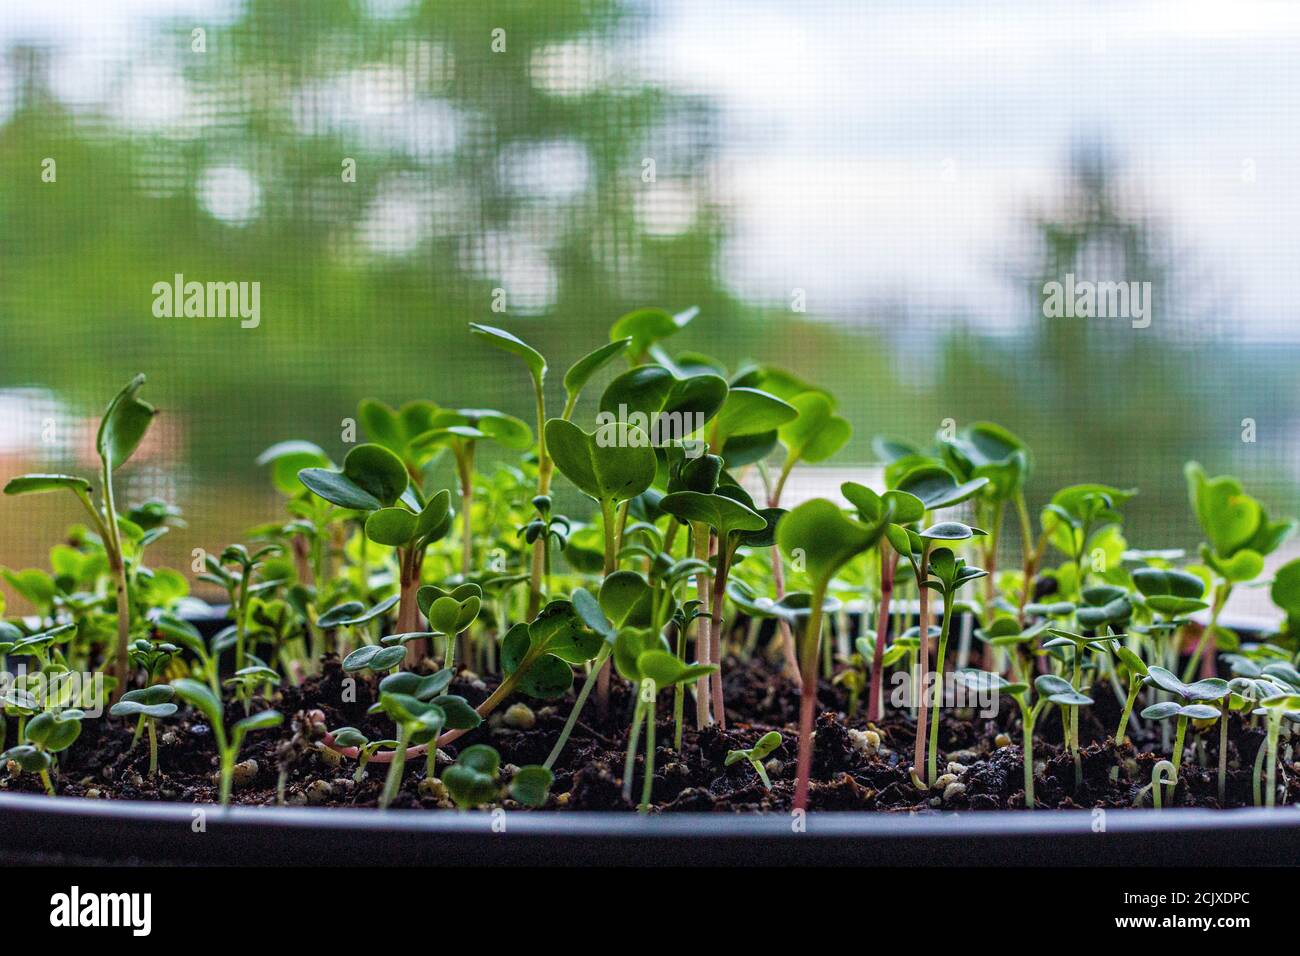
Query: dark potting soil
(849,773)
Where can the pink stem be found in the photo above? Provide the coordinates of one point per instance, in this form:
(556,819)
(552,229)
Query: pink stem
(874,707)
(778,583)
(386,756)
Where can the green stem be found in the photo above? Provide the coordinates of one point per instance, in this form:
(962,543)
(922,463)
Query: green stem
(647,786)
(431,760)
(1026,526)
(466,465)
(936,698)
(395,769)
(1258,771)
(634,736)
(1274,725)
(583,694)
(1223,753)
(611,535)
(241,622)
(621,522)
(544,466)
(779,487)
(1074,719)
(923,659)
(1179,739)
(1158,775)
(46,782)
(679,694)
(1135,688)
(111,536)
(452,640)
(153,750)
(1221,594)
(1027,721)
(227,774)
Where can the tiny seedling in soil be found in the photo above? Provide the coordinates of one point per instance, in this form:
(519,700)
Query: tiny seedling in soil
(1192,707)
(202,699)
(147,705)
(46,734)
(763,748)
(473,780)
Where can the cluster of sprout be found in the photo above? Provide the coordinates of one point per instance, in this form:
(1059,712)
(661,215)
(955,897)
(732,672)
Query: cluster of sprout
(409,584)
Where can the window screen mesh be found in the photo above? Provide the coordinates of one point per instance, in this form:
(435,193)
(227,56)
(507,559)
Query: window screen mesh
(873,195)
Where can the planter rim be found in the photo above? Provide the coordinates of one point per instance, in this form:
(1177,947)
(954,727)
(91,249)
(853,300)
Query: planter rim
(36,828)
(615,823)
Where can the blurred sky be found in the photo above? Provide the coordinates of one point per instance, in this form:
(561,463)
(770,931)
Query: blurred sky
(886,151)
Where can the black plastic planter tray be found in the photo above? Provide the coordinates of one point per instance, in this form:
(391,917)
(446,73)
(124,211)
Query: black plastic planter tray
(79,830)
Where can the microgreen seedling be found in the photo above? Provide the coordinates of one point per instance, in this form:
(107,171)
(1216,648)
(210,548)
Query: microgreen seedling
(1275,708)
(1193,707)
(238,586)
(762,749)
(461,430)
(147,705)
(822,539)
(152,656)
(1136,669)
(1238,536)
(986,450)
(903,509)
(950,575)
(450,613)
(418,722)
(616,463)
(206,702)
(1069,698)
(815,435)
(938,489)
(726,512)
(537,368)
(47,733)
(366,748)
(457,714)
(983,682)
(1163,774)
(642,657)
(121,430)
(473,780)
(1062,638)
(375,657)
(375,480)
(593,616)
